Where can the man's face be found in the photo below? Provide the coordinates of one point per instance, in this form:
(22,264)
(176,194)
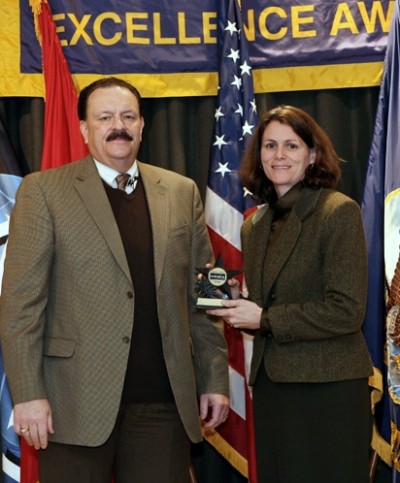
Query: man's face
(113,127)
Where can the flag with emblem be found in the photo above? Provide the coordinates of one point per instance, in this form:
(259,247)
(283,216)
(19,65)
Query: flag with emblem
(381,217)
(227,203)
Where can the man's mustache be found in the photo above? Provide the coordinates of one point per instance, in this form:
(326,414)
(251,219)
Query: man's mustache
(119,134)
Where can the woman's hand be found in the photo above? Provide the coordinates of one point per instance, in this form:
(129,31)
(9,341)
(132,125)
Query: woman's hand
(239,313)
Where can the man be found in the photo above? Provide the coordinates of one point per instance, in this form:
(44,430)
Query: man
(104,353)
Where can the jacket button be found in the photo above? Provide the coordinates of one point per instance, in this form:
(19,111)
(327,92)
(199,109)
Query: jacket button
(126,339)
(129,295)
(273,296)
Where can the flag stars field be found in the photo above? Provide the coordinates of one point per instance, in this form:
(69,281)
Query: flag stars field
(218,113)
(239,110)
(223,169)
(237,82)
(234,55)
(231,27)
(245,68)
(219,141)
(246,192)
(247,128)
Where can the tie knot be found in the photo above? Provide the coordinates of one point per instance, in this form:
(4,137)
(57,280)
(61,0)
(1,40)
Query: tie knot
(122,180)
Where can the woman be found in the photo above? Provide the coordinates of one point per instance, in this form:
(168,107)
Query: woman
(306,276)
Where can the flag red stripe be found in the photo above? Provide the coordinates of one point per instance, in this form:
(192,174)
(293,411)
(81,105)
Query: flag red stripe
(233,431)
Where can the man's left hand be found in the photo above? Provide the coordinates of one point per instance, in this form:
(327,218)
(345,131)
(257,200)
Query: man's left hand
(215,405)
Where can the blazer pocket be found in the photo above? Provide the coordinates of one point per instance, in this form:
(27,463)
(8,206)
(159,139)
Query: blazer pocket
(58,347)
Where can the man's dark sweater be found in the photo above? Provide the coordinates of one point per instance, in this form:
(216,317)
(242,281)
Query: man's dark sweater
(146,377)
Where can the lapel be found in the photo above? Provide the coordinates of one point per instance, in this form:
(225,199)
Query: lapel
(91,190)
(157,195)
(255,252)
(262,283)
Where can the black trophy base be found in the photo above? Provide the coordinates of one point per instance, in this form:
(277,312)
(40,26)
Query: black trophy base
(208,303)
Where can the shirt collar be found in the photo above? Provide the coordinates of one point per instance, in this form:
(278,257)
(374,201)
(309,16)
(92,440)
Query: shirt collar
(108,174)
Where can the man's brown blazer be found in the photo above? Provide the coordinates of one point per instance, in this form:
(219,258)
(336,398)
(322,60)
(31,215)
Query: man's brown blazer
(68,301)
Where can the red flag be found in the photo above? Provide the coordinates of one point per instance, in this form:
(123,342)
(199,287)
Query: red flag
(226,205)
(29,463)
(62,139)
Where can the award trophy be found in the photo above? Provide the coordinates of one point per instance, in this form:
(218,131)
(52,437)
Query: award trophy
(213,288)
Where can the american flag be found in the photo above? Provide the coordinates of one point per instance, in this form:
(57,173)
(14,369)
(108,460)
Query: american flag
(227,203)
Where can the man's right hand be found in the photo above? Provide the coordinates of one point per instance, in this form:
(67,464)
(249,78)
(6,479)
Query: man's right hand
(33,421)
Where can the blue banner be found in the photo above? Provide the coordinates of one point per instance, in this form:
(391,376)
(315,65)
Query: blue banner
(170,48)
(156,36)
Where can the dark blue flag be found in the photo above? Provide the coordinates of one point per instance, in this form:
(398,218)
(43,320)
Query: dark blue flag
(381,216)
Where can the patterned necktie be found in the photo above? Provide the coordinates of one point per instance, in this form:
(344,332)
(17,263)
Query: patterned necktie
(122,180)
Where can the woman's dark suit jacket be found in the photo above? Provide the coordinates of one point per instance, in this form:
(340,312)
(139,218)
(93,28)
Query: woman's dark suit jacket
(314,287)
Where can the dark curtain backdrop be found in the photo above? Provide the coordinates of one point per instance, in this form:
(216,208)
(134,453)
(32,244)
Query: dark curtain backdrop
(178,134)
(178,131)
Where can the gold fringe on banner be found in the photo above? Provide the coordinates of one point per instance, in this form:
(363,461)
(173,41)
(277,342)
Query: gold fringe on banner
(379,444)
(395,441)
(227,451)
(36,6)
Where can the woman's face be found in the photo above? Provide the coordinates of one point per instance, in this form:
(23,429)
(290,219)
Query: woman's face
(284,156)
